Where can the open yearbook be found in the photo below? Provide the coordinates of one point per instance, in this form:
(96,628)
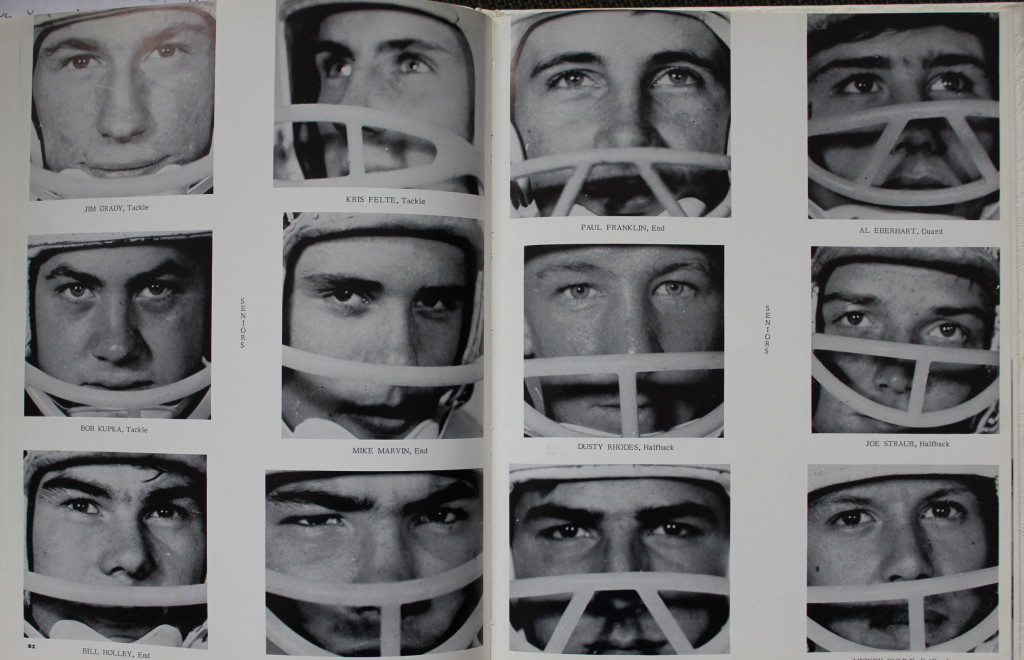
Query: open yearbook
(390,327)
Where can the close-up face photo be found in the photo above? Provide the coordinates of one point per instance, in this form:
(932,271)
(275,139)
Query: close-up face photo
(401,296)
(613,530)
(905,340)
(122,94)
(622,303)
(373,564)
(115,521)
(897,532)
(412,71)
(120,316)
(903,112)
(634,85)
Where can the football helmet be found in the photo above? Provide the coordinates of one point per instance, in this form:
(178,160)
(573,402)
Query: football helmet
(581,589)
(653,165)
(36,465)
(980,411)
(188,397)
(194,178)
(871,193)
(912,593)
(298,143)
(304,228)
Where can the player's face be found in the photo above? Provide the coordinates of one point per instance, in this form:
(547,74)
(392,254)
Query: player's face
(120,318)
(907,305)
(619,526)
(126,95)
(372,529)
(927,64)
(894,530)
(396,61)
(617,79)
(379,300)
(116,525)
(616,300)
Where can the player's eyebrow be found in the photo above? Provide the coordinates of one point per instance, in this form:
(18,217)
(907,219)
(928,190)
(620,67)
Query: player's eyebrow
(189,490)
(851,298)
(66,483)
(458,490)
(72,274)
(579,57)
(559,512)
(869,62)
(972,310)
(954,59)
(341,281)
(447,291)
(839,499)
(570,267)
(695,265)
(322,498)
(400,45)
(71,43)
(659,514)
(686,56)
(168,267)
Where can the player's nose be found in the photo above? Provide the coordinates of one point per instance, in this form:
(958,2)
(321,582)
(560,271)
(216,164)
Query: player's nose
(126,555)
(625,119)
(123,100)
(622,553)
(384,555)
(923,136)
(397,337)
(892,379)
(116,337)
(629,327)
(907,554)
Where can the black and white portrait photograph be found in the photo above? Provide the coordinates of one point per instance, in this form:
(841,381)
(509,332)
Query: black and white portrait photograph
(119,325)
(906,340)
(621,113)
(377,94)
(122,102)
(371,564)
(116,547)
(624,340)
(902,557)
(383,323)
(620,559)
(903,116)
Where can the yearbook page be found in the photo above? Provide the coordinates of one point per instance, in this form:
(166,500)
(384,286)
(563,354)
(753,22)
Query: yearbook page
(761,269)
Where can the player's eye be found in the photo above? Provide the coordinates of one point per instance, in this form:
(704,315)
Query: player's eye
(349,297)
(851,519)
(168,512)
(165,51)
(579,291)
(76,292)
(334,66)
(83,506)
(944,510)
(861,83)
(951,82)
(572,79)
(156,291)
(438,302)
(442,516)
(566,532)
(675,288)
(675,528)
(321,520)
(81,62)
(677,76)
(950,331)
(853,319)
(410,63)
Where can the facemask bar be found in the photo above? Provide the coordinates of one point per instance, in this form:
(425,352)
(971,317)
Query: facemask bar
(864,187)
(914,593)
(923,357)
(642,158)
(148,403)
(388,597)
(381,374)
(115,596)
(454,158)
(647,586)
(625,368)
(195,178)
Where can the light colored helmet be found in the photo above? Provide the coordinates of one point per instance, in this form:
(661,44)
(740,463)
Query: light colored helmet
(646,161)
(582,588)
(303,229)
(36,465)
(869,196)
(981,265)
(388,598)
(195,178)
(188,397)
(298,146)
(980,637)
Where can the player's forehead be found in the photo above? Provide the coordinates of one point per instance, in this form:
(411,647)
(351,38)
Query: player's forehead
(913,284)
(115,481)
(622,497)
(127,29)
(375,28)
(118,262)
(896,491)
(638,37)
(622,262)
(382,491)
(914,47)
(392,261)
